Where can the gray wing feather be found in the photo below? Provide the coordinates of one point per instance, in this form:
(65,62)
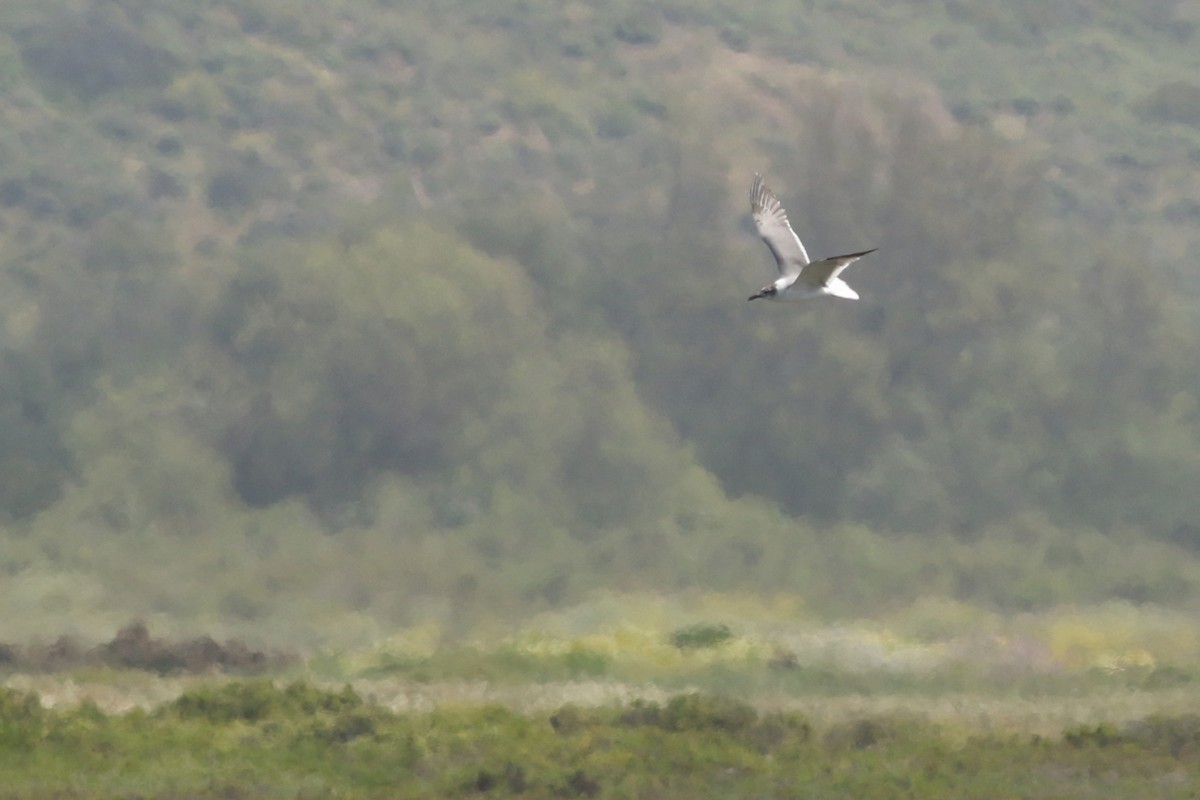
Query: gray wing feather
(820,273)
(772,223)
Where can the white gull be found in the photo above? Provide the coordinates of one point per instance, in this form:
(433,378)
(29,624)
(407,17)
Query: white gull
(799,279)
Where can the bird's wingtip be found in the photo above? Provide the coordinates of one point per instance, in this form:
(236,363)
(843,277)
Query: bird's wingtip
(757,189)
(859,255)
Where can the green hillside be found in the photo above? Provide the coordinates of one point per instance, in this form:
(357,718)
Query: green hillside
(325,319)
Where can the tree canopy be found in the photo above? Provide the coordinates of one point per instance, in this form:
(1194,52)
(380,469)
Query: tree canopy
(391,309)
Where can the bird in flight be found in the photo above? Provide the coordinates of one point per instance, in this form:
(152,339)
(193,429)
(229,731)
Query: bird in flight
(799,278)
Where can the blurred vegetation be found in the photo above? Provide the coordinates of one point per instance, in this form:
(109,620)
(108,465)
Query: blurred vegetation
(254,739)
(647,645)
(133,648)
(322,320)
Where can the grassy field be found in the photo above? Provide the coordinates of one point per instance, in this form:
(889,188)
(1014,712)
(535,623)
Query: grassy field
(935,701)
(255,738)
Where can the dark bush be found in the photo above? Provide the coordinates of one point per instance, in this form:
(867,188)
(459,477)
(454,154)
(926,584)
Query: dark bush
(254,701)
(242,181)
(169,145)
(134,648)
(118,127)
(616,122)
(13,192)
(170,109)
(425,151)
(1102,735)
(1182,212)
(230,190)
(701,635)
(580,785)
(348,726)
(394,140)
(95,52)
(694,712)
(649,105)
(736,38)
(249,701)
(1174,735)
(21,720)
(1026,106)
(1062,105)
(640,27)
(869,732)
(575,48)
(1178,101)
(160,183)
(31,481)
(775,729)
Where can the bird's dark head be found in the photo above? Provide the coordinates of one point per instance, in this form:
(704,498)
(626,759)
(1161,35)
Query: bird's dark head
(766,291)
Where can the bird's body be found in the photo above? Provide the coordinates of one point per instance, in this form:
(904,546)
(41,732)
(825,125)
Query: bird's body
(799,278)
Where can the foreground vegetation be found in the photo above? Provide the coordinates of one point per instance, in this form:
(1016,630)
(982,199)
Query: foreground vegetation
(629,696)
(1035,673)
(255,739)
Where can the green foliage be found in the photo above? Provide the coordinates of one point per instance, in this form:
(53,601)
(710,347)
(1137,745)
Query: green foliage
(256,740)
(616,122)
(507,665)
(1177,101)
(1102,735)
(1025,21)
(1177,735)
(736,37)
(861,734)
(695,712)
(21,721)
(133,648)
(246,180)
(642,26)
(256,701)
(35,460)
(95,52)
(389,300)
(701,635)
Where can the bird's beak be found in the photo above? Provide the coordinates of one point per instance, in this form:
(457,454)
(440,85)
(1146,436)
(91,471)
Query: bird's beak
(756,296)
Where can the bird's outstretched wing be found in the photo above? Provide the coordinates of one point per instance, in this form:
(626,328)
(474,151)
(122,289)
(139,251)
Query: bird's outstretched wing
(820,273)
(774,228)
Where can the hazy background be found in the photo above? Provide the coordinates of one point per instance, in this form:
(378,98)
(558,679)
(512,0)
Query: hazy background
(323,319)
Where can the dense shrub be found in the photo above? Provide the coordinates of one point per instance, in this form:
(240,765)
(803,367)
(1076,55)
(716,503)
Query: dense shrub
(701,635)
(644,26)
(95,52)
(1178,101)
(132,647)
(254,701)
(22,720)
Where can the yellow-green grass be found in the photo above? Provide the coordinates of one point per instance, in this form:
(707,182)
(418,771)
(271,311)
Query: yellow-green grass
(948,663)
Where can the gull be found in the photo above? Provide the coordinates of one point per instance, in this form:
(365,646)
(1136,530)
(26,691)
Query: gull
(799,279)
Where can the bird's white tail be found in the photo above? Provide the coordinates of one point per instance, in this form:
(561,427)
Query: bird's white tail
(839,288)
